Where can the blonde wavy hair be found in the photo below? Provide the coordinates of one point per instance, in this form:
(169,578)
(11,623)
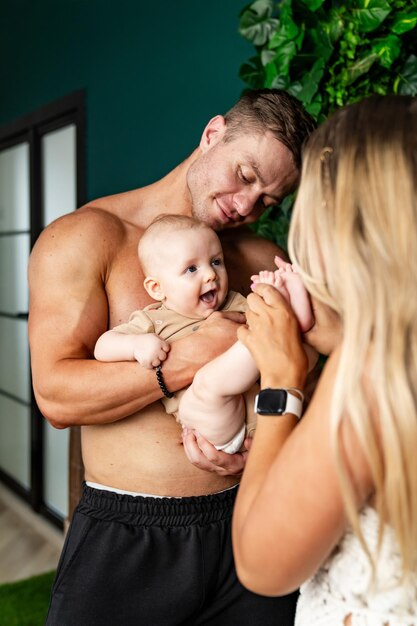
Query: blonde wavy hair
(353,238)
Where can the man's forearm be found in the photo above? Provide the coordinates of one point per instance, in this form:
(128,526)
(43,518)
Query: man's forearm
(114,346)
(80,391)
(86,391)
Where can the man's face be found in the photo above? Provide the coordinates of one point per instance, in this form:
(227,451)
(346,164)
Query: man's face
(233,183)
(191,273)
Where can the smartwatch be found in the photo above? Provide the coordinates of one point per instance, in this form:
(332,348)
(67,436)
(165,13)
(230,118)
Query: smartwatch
(279,401)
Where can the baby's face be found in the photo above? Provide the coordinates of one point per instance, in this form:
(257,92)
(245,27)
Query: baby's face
(191,272)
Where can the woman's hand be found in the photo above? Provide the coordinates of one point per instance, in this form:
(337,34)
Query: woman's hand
(273,337)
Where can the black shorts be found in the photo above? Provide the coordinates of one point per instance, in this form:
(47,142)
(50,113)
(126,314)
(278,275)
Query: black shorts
(131,560)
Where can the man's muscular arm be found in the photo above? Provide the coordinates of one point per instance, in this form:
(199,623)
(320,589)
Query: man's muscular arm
(68,272)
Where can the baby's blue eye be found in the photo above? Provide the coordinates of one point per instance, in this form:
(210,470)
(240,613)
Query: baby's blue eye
(216,262)
(192,269)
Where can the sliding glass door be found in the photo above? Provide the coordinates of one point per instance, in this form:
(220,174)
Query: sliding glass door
(59,196)
(15,395)
(41,178)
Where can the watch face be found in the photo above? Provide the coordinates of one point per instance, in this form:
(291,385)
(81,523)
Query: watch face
(271,402)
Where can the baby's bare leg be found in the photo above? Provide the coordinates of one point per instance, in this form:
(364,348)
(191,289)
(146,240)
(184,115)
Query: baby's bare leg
(213,405)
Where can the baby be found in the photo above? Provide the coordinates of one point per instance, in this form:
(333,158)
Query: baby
(182,260)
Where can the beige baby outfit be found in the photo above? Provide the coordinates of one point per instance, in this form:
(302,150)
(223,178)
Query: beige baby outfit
(170,325)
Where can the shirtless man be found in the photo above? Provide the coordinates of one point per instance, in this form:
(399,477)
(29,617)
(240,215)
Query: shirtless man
(162,557)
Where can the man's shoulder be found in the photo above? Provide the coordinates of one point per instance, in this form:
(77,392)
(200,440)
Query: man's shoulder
(94,215)
(91,225)
(85,242)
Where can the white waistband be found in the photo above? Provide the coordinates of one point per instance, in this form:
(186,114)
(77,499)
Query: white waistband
(144,495)
(122,491)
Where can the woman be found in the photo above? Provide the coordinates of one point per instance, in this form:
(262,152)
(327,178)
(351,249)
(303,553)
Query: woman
(330,503)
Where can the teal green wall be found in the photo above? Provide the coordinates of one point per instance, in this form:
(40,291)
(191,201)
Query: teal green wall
(154,72)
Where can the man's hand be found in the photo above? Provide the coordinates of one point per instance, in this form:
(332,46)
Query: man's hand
(215,335)
(217,316)
(205,456)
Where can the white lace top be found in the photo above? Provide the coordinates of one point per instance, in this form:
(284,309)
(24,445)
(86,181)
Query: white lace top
(343,585)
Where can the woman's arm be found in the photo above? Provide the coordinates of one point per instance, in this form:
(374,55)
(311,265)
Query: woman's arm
(289,512)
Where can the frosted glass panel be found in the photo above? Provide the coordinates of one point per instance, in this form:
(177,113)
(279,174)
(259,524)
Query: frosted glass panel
(14,255)
(59,197)
(59,173)
(56,469)
(14,188)
(15,439)
(14,362)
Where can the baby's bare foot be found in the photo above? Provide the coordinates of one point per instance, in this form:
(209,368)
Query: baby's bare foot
(274,279)
(299,298)
(286,280)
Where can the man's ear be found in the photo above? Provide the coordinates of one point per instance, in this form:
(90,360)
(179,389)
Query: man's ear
(213,132)
(153,288)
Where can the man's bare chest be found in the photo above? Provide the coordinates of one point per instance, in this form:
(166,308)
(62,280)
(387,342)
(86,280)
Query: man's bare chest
(124,288)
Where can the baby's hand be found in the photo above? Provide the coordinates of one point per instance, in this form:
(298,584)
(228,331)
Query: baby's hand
(286,280)
(150,350)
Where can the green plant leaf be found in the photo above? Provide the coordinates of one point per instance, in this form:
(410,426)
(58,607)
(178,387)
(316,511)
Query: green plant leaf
(295,89)
(407,84)
(334,26)
(280,82)
(404,22)
(256,22)
(267,56)
(387,49)
(271,73)
(283,56)
(359,67)
(369,14)
(314,108)
(321,42)
(310,82)
(313,5)
(287,28)
(252,73)
(286,205)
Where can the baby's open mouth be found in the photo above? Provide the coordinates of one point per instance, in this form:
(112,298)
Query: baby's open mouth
(209,296)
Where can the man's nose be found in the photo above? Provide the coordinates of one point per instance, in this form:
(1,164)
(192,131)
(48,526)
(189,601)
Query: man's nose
(245,202)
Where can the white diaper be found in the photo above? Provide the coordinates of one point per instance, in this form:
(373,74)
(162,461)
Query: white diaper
(234,444)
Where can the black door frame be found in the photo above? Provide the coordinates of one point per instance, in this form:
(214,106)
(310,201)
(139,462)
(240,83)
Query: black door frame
(31,128)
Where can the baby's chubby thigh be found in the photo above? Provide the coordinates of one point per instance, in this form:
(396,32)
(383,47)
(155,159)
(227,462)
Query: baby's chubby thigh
(217,418)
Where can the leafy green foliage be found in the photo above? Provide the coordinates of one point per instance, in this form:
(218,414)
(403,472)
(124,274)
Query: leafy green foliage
(328,53)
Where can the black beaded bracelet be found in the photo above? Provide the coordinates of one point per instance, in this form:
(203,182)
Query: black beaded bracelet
(161,383)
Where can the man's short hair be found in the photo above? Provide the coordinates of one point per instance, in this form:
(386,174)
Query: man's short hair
(273,110)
